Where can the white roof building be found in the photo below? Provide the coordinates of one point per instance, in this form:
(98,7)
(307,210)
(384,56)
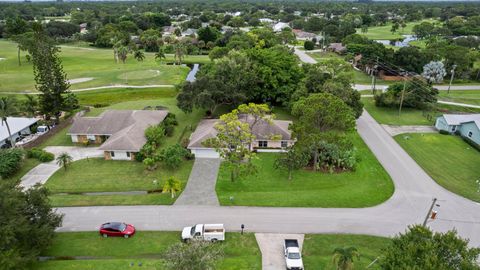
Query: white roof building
(280,26)
(18,125)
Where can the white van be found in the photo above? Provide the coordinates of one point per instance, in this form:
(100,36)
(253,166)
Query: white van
(207,232)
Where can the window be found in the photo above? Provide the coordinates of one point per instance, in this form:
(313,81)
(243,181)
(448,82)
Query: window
(128,154)
(470,134)
(454,128)
(112,154)
(262,144)
(284,144)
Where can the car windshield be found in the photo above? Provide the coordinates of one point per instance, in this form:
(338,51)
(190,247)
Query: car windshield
(294,256)
(122,227)
(192,230)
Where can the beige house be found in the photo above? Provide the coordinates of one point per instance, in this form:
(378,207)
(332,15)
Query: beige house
(120,133)
(274,137)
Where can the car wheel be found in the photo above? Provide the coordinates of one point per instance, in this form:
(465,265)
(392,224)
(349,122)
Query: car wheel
(126,236)
(214,240)
(105,235)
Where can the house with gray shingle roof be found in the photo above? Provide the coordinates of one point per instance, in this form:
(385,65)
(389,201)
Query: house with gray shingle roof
(269,137)
(120,133)
(466,125)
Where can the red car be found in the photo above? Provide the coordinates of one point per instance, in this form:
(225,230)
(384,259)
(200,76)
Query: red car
(117,229)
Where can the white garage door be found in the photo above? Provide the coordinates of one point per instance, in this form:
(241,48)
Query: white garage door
(205,153)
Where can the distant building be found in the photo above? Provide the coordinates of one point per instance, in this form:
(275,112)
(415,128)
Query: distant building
(19,127)
(189,32)
(83,28)
(337,48)
(280,26)
(302,35)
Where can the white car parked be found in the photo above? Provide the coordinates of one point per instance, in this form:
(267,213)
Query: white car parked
(207,232)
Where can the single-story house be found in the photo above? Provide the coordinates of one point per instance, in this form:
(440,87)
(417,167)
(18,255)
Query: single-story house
(263,131)
(466,125)
(190,32)
(337,48)
(121,133)
(19,126)
(302,35)
(278,27)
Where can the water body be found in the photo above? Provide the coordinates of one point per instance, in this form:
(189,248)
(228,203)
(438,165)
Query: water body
(193,72)
(404,43)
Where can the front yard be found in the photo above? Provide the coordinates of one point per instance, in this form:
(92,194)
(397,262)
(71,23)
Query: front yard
(99,175)
(241,251)
(369,185)
(389,116)
(449,160)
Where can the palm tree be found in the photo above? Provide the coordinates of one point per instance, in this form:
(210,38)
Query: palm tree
(172,185)
(139,55)
(179,52)
(7,108)
(160,54)
(64,159)
(343,257)
(122,52)
(30,105)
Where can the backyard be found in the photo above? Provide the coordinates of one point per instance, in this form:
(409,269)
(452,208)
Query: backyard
(147,248)
(458,168)
(92,67)
(368,185)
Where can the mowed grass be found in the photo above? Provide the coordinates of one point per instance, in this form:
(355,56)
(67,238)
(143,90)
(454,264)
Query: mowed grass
(27,165)
(468,96)
(114,95)
(99,175)
(389,116)
(449,160)
(88,63)
(383,32)
(318,249)
(148,248)
(367,186)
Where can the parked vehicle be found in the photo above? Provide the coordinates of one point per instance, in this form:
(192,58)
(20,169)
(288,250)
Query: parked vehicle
(293,257)
(42,129)
(207,232)
(117,229)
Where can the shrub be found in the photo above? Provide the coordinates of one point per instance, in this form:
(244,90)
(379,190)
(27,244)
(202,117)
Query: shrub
(309,45)
(471,143)
(173,155)
(444,132)
(10,161)
(169,123)
(40,154)
(100,105)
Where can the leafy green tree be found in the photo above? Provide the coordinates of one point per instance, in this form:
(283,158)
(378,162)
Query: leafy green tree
(207,34)
(179,51)
(155,135)
(63,160)
(420,248)
(287,36)
(28,224)
(139,55)
(308,45)
(30,105)
(70,102)
(150,39)
(7,109)
(418,94)
(218,52)
(196,255)
(160,54)
(172,185)
(173,155)
(343,257)
(294,159)
(24,42)
(10,161)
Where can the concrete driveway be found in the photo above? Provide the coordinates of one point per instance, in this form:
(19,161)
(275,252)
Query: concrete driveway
(271,246)
(43,171)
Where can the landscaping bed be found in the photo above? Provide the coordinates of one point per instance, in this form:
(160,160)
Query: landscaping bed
(450,161)
(367,186)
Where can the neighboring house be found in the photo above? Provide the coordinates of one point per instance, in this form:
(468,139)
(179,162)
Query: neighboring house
(19,126)
(190,32)
(83,28)
(121,133)
(337,48)
(168,30)
(302,35)
(280,26)
(466,125)
(263,131)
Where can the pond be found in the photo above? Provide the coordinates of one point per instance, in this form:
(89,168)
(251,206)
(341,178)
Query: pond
(400,43)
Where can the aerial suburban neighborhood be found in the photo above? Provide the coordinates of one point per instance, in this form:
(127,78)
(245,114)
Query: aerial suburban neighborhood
(225,134)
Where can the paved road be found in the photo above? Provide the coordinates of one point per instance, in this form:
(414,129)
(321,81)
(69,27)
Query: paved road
(361,87)
(414,191)
(304,57)
(200,189)
(43,171)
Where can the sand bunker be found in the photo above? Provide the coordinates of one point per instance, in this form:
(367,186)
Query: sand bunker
(79,80)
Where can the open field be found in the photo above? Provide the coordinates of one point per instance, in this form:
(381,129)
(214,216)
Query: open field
(383,32)
(389,116)
(318,249)
(96,66)
(468,97)
(147,248)
(367,186)
(449,160)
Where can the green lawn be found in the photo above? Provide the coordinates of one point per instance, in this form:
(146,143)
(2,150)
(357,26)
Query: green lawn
(383,32)
(118,95)
(99,175)
(241,251)
(369,185)
(27,165)
(449,160)
(90,63)
(467,96)
(389,116)
(318,249)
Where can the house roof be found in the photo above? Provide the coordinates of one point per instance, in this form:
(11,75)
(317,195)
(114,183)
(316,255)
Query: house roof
(457,119)
(16,125)
(279,26)
(262,130)
(338,47)
(126,128)
(302,34)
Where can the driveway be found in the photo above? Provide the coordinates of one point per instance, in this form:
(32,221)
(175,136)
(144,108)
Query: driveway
(304,57)
(200,189)
(414,191)
(43,171)
(395,130)
(271,246)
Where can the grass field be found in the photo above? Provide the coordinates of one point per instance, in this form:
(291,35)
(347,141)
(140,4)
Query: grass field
(449,160)
(98,64)
(467,96)
(147,248)
(369,185)
(383,32)
(99,175)
(389,116)
(318,249)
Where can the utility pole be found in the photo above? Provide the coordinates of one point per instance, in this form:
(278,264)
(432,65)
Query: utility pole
(451,78)
(402,96)
(429,212)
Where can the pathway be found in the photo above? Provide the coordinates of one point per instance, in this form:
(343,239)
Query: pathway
(200,189)
(304,57)
(395,130)
(271,246)
(414,191)
(43,171)
(459,104)
(361,87)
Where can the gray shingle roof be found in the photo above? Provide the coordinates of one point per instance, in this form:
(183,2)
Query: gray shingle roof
(457,119)
(126,128)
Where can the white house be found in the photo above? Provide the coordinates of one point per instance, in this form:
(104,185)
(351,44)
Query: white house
(19,126)
(280,26)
